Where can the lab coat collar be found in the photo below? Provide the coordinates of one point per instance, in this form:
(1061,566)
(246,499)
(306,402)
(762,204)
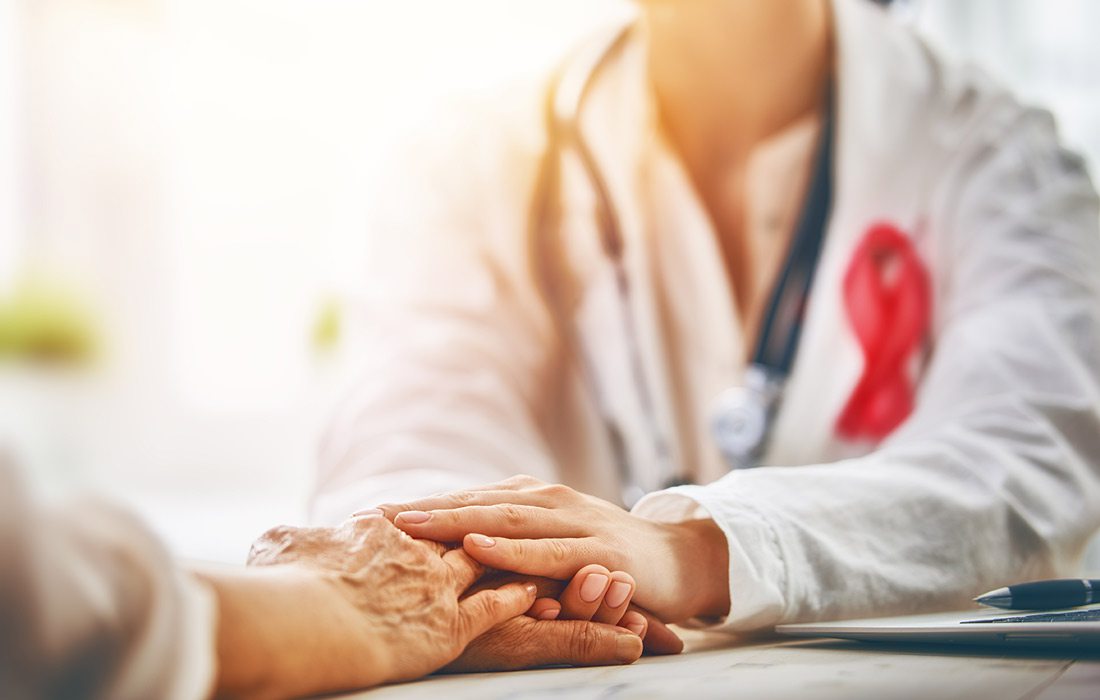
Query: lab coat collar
(881,100)
(618,121)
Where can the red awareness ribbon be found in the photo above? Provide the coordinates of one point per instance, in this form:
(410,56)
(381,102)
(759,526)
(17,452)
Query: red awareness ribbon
(887,297)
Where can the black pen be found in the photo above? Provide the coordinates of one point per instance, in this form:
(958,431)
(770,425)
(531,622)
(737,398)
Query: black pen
(1044,595)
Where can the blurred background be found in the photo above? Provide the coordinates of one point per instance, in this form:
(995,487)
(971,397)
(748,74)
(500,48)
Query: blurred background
(184,190)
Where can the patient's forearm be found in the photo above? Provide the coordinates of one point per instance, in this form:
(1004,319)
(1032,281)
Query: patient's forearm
(283,632)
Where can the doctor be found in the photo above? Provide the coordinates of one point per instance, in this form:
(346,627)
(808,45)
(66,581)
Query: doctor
(832,301)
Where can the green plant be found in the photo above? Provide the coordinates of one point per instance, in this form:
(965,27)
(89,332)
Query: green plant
(327,327)
(44,324)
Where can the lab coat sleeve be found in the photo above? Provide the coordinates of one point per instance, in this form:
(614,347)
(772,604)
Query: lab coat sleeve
(995,478)
(455,343)
(92,606)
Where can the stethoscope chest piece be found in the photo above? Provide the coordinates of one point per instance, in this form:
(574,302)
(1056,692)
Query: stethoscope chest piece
(741,415)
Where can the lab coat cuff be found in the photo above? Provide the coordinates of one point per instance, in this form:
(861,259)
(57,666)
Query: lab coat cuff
(757,570)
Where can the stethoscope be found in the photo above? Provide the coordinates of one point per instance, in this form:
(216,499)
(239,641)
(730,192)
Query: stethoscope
(742,416)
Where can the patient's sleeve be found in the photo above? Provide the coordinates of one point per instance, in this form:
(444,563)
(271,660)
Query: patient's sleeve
(92,606)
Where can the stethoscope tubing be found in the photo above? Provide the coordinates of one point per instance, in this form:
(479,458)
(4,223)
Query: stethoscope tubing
(777,344)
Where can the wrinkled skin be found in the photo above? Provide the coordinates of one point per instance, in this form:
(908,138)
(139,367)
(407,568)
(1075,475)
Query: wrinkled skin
(527,642)
(407,592)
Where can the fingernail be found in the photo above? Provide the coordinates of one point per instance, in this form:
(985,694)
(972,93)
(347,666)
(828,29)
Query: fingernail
(617,594)
(482,540)
(531,588)
(593,587)
(637,628)
(368,513)
(414,516)
(550,614)
(628,647)
(635,622)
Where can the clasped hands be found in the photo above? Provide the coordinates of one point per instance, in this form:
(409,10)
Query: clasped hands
(511,575)
(529,527)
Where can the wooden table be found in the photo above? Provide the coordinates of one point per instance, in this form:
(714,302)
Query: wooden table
(715,666)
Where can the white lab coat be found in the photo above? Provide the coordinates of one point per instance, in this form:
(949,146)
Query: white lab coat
(995,477)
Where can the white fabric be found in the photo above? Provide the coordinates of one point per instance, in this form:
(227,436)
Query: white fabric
(993,479)
(92,606)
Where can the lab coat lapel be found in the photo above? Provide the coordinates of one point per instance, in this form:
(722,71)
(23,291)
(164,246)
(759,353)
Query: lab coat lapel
(618,123)
(879,120)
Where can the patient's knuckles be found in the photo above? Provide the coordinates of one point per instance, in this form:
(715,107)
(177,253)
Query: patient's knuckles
(370,548)
(487,607)
(274,545)
(358,536)
(361,529)
(279,534)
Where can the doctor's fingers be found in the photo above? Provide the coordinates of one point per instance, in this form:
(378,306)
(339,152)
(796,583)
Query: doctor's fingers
(613,607)
(552,557)
(599,595)
(585,592)
(505,520)
(534,493)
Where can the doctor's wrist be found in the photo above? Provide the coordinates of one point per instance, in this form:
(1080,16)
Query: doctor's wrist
(703,567)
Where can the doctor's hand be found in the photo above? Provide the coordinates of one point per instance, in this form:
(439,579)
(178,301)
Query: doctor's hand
(529,527)
(329,609)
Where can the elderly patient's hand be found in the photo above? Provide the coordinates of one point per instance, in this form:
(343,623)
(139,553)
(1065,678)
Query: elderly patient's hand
(407,592)
(407,598)
(349,607)
(555,629)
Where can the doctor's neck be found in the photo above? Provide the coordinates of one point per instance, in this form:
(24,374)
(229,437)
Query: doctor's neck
(728,74)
